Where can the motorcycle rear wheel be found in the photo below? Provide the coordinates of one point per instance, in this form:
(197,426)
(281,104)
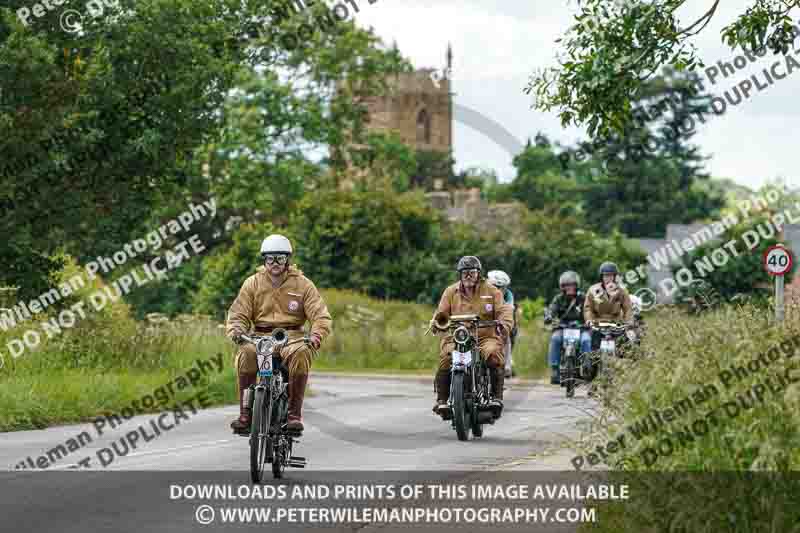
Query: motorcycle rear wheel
(259,434)
(461,413)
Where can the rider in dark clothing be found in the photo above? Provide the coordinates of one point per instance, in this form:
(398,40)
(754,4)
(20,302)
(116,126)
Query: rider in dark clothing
(567,306)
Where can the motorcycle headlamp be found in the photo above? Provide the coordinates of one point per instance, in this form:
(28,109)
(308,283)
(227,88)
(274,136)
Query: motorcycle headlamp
(461,335)
(265,345)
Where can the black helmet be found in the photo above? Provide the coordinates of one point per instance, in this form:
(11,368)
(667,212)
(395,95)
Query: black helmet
(608,268)
(469,261)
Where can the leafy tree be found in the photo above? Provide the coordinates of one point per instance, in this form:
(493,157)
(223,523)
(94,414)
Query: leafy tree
(224,271)
(540,182)
(650,175)
(373,241)
(555,243)
(111,127)
(615,46)
(384,162)
(432,165)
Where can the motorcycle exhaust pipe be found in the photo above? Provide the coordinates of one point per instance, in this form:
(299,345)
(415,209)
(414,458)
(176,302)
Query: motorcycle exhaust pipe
(249,396)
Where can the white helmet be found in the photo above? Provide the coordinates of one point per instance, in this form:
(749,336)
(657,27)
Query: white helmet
(498,278)
(276,244)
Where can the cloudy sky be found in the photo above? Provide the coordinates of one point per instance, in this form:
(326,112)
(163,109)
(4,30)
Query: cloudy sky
(497,45)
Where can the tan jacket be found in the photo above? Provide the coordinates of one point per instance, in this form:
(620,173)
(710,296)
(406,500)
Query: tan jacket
(293,303)
(604,306)
(487,302)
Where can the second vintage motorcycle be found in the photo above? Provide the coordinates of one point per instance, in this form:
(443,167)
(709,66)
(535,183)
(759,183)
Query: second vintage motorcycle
(470,383)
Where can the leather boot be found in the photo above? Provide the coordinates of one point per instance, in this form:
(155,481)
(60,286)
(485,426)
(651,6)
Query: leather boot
(442,388)
(498,376)
(297,391)
(242,424)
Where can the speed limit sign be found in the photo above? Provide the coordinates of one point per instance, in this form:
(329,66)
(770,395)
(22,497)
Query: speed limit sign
(778,261)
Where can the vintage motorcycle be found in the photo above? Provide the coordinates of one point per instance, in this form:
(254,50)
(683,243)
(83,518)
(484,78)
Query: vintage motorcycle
(470,383)
(614,339)
(270,442)
(573,369)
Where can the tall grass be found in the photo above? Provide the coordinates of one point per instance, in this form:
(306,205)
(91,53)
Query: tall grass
(372,335)
(723,483)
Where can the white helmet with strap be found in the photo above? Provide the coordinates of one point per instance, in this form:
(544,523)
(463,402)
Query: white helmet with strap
(498,278)
(276,244)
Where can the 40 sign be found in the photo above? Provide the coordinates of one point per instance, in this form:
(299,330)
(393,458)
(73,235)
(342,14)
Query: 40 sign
(778,260)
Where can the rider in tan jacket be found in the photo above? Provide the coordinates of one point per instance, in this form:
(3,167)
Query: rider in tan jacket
(473,295)
(277,296)
(607,301)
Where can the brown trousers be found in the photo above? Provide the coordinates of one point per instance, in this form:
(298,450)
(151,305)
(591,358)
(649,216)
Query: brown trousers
(490,348)
(297,359)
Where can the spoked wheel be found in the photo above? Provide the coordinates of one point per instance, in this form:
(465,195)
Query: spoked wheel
(283,448)
(462,414)
(259,435)
(570,372)
(477,427)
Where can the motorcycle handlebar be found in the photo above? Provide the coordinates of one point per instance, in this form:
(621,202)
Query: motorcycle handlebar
(253,339)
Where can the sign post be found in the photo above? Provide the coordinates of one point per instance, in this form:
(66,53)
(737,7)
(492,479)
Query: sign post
(778,262)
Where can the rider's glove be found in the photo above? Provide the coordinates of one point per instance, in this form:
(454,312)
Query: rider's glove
(315,340)
(237,339)
(548,319)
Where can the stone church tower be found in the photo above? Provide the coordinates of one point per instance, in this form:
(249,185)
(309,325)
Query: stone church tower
(418,108)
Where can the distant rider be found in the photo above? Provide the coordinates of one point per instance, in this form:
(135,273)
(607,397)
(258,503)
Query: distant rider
(502,281)
(473,295)
(279,296)
(567,306)
(608,301)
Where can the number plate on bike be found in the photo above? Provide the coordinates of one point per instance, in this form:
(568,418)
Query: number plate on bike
(264,365)
(461,358)
(572,334)
(608,345)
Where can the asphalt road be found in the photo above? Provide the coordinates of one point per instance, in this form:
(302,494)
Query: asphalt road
(371,425)
(352,423)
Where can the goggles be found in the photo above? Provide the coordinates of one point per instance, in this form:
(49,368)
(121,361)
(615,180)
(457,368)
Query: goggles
(275,258)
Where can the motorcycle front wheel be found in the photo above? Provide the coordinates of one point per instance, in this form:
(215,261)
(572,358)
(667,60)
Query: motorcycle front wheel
(480,391)
(283,449)
(570,372)
(259,434)
(461,413)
